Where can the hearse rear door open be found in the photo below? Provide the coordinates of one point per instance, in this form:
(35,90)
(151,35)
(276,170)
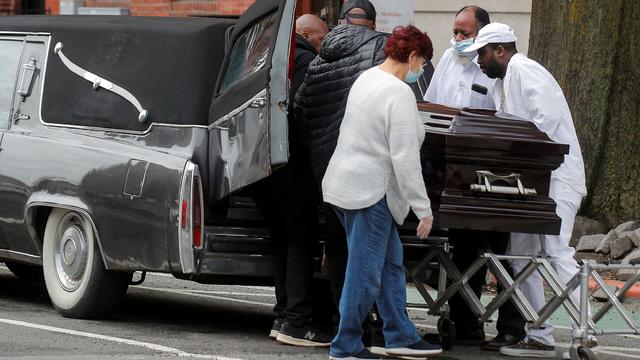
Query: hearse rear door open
(248,114)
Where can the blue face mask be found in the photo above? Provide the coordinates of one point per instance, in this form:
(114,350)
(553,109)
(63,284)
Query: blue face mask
(460,46)
(413,76)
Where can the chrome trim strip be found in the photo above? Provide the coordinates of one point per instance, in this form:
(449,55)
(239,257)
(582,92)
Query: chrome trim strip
(24,33)
(123,131)
(20,256)
(98,81)
(260,97)
(43,70)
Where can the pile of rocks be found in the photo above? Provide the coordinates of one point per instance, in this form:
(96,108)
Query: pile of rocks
(621,245)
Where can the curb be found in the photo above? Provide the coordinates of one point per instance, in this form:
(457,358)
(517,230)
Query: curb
(633,292)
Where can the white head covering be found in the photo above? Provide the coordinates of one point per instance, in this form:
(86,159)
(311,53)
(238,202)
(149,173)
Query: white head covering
(492,34)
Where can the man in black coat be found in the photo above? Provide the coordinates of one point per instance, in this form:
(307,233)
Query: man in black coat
(288,200)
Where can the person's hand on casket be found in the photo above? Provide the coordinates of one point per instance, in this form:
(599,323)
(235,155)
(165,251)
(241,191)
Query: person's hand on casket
(424,227)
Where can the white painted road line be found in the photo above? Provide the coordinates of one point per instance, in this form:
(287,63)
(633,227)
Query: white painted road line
(190,293)
(269,289)
(155,347)
(162,275)
(265,288)
(230,293)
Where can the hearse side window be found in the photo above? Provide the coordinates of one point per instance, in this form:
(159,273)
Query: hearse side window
(10,51)
(250,51)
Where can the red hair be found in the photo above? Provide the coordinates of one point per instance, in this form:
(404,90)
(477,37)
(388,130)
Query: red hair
(406,39)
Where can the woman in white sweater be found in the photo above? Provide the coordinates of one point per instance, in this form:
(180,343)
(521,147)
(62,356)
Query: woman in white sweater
(373,178)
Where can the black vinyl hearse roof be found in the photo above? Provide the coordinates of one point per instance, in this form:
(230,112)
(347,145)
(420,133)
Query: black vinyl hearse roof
(169,64)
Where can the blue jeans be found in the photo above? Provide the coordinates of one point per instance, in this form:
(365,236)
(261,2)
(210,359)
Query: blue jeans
(374,274)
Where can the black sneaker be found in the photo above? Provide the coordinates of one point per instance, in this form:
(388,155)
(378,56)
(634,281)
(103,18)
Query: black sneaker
(307,335)
(364,354)
(500,341)
(275,328)
(529,348)
(419,349)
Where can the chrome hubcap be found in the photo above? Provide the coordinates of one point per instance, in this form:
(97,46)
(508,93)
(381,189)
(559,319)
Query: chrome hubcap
(71,251)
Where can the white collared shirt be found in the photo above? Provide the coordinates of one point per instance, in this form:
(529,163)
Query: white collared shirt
(529,91)
(452,80)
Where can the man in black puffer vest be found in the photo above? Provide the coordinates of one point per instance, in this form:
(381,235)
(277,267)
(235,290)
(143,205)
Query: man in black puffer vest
(347,51)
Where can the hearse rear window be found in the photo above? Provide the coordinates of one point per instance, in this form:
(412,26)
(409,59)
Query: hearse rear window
(9,57)
(250,51)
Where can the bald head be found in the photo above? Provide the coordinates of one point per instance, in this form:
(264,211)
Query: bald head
(312,28)
(468,21)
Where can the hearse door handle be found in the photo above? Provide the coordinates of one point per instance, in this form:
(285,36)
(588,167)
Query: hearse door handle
(258,102)
(20,116)
(26,79)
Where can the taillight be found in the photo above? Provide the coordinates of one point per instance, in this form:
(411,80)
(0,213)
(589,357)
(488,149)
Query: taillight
(184,222)
(191,218)
(196,213)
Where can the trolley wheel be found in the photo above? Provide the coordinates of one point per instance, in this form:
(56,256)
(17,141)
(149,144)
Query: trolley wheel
(447,333)
(581,353)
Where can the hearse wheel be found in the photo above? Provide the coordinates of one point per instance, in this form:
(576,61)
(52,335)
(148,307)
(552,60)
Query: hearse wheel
(25,272)
(447,333)
(78,284)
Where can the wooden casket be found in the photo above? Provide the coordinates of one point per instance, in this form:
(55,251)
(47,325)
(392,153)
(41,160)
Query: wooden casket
(488,172)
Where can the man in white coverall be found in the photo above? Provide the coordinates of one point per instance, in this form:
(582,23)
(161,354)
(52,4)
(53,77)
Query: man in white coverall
(526,89)
(452,82)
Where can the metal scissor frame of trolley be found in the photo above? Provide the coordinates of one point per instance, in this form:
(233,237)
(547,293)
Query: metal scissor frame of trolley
(452,281)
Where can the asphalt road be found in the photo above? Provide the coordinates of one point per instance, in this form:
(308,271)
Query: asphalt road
(169,318)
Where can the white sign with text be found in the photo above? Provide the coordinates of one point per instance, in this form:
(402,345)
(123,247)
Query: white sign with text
(392,13)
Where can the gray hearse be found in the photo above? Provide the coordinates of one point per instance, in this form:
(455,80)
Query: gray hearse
(126,145)
(118,138)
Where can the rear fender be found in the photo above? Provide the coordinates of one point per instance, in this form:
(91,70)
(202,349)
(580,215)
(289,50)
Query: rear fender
(46,202)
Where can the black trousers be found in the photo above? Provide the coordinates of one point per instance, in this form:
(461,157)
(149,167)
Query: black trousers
(288,201)
(336,251)
(467,245)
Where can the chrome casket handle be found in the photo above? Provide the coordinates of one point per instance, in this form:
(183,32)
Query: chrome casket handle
(486,179)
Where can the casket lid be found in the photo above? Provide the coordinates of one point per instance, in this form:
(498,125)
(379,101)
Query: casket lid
(488,128)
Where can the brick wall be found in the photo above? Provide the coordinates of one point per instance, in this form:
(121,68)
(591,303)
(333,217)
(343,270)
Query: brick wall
(187,7)
(7,7)
(164,7)
(52,6)
(107,3)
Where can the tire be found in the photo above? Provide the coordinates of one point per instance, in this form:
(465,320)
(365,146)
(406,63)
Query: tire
(581,353)
(586,353)
(77,282)
(25,272)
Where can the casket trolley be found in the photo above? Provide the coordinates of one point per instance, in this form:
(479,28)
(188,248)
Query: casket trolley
(488,171)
